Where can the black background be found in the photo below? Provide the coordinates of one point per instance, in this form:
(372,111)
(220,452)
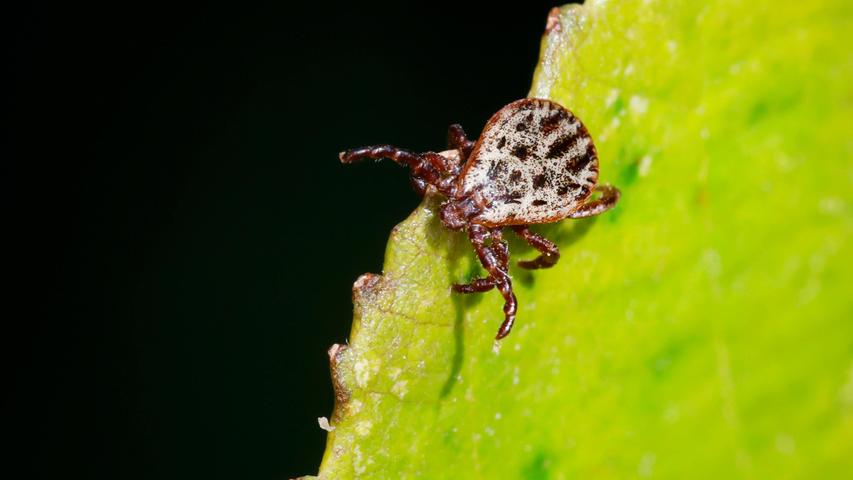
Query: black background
(184,237)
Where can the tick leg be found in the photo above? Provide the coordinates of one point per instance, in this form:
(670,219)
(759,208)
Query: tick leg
(427,168)
(419,185)
(607,200)
(476,285)
(456,139)
(441,164)
(550,252)
(500,250)
(438,171)
(494,259)
(377,152)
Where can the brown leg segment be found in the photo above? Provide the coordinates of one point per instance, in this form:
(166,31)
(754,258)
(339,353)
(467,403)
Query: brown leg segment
(427,168)
(376,152)
(500,250)
(494,259)
(607,200)
(456,139)
(476,285)
(550,252)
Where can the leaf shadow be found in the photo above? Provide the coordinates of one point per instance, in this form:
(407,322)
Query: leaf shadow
(564,236)
(459,247)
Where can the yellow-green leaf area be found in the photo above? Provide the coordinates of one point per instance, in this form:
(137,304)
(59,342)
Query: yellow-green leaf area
(702,329)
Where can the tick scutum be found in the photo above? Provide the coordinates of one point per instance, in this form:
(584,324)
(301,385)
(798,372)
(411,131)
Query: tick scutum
(549,155)
(515,177)
(521,152)
(540,181)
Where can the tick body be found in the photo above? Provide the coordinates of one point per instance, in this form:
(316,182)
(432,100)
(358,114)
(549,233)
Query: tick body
(534,163)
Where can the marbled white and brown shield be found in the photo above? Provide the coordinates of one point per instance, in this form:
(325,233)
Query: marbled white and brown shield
(534,163)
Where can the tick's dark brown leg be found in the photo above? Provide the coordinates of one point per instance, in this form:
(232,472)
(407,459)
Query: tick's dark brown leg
(607,200)
(427,168)
(419,185)
(500,250)
(476,285)
(456,139)
(494,259)
(376,152)
(550,252)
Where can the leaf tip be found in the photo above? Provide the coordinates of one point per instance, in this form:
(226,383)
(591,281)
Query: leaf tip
(553,21)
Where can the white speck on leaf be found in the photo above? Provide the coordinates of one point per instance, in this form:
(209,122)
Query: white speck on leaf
(785,444)
(324,424)
(614,124)
(644,165)
(363,428)
(358,462)
(671,414)
(612,96)
(832,205)
(362,372)
(647,464)
(400,388)
(846,393)
(639,105)
(713,263)
(672,46)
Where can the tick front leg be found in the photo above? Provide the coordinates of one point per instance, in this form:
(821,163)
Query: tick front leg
(377,152)
(550,252)
(494,259)
(427,168)
(456,139)
(607,200)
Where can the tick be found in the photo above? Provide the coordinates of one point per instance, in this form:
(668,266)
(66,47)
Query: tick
(534,163)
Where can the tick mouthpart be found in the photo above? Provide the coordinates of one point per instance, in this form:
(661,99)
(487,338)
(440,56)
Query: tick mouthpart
(456,214)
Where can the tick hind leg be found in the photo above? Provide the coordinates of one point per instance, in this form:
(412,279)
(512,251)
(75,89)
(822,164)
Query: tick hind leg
(549,251)
(495,259)
(607,200)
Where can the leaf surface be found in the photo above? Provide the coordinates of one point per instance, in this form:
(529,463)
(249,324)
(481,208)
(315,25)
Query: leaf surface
(702,329)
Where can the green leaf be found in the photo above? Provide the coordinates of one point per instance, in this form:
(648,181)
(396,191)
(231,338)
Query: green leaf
(702,329)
